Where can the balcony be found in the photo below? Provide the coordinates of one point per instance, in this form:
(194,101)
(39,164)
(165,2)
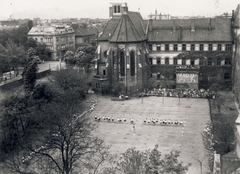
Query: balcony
(100,77)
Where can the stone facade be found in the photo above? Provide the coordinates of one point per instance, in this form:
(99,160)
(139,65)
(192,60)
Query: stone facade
(57,38)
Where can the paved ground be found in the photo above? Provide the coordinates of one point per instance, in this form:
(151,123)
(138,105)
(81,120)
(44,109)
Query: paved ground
(53,65)
(193,112)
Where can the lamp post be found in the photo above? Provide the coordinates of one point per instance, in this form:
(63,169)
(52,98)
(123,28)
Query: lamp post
(163,96)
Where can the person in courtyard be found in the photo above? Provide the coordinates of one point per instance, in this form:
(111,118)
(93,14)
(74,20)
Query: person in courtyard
(134,127)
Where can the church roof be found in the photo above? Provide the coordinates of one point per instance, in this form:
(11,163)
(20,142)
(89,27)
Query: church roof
(129,28)
(205,30)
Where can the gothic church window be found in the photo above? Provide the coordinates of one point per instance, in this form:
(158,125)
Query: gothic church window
(122,64)
(132,63)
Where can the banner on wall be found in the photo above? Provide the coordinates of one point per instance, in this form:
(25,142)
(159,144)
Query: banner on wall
(186,78)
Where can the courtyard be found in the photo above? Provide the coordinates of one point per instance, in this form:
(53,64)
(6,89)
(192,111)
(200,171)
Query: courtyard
(193,112)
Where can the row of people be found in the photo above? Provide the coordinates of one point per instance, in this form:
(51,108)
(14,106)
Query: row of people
(162,122)
(111,119)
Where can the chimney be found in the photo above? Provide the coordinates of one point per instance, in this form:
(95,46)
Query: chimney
(174,26)
(210,24)
(192,25)
(150,25)
(232,15)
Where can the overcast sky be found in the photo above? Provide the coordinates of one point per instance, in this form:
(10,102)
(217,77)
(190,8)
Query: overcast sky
(47,9)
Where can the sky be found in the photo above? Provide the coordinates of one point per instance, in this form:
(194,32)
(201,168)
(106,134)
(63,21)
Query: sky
(58,9)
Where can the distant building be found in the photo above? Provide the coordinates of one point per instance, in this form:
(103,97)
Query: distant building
(85,36)
(160,16)
(9,24)
(57,38)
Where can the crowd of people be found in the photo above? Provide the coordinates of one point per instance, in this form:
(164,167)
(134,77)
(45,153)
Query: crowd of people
(181,93)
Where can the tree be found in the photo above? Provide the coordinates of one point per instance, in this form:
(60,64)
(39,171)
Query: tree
(133,161)
(209,144)
(82,57)
(30,76)
(31,43)
(14,54)
(71,80)
(53,129)
(30,25)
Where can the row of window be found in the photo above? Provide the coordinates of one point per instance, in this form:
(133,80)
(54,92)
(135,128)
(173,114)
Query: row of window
(117,9)
(70,38)
(190,47)
(183,61)
(50,47)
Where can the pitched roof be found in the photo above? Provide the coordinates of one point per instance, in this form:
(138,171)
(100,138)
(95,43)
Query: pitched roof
(205,30)
(126,31)
(85,31)
(129,28)
(109,29)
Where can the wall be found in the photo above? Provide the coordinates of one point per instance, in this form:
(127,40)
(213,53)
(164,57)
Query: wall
(236,68)
(19,82)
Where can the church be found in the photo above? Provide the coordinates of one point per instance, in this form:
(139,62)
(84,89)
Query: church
(134,54)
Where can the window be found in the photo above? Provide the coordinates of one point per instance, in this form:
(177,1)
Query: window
(118,8)
(183,61)
(132,63)
(209,47)
(174,61)
(36,39)
(57,39)
(158,76)
(175,47)
(192,47)
(113,58)
(166,61)
(122,64)
(192,62)
(184,47)
(105,54)
(201,47)
(41,39)
(228,47)
(166,47)
(218,61)
(104,72)
(150,47)
(219,47)
(158,47)
(227,76)
(227,61)
(201,61)
(151,60)
(209,61)
(158,61)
